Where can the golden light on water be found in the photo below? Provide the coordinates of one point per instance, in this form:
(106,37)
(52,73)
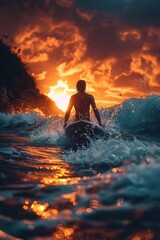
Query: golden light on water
(41,209)
(59,94)
(64,233)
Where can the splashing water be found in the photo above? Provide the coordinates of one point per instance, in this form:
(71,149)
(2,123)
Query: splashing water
(109,190)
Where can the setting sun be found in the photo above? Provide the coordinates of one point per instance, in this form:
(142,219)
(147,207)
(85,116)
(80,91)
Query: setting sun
(58,94)
(60,100)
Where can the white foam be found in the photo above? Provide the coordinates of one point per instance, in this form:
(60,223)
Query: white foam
(114,152)
(137,112)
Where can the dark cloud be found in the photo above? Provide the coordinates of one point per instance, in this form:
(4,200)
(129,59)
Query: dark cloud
(120,67)
(132,80)
(132,12)
(110,6)
(116,42)
(140,14)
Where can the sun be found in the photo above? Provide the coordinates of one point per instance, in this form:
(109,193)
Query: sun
(60,100)
(58,94)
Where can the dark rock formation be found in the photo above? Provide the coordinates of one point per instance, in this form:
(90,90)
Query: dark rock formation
(18,91)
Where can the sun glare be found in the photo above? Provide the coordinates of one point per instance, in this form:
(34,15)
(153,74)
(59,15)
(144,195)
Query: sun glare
(61,101)
(58,94)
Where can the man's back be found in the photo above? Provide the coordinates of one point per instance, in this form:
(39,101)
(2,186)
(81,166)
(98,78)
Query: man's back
(81,102)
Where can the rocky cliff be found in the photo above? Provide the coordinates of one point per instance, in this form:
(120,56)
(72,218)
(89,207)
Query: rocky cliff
(18,91)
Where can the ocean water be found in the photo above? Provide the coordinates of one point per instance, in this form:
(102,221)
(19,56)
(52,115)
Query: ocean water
(109,190)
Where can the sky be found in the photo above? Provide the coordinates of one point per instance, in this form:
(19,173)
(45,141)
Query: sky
(112,44)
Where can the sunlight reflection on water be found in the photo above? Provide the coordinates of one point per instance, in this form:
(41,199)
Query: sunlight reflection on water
(48,197)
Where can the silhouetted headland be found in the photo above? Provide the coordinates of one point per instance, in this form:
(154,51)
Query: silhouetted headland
(18,91)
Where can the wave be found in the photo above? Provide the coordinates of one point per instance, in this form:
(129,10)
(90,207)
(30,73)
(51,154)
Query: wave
(19,120)
(133,116)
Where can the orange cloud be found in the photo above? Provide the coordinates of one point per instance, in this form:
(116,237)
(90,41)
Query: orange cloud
(115,47)
(132,35)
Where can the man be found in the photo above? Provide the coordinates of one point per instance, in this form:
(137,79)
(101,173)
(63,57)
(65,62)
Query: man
(82,101)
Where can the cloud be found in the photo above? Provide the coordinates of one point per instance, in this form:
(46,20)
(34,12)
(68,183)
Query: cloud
(113,44)
(65,3)
(132,81)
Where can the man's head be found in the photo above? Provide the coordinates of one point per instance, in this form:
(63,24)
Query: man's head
(81,86)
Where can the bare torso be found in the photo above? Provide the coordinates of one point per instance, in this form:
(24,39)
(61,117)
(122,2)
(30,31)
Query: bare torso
(81,102)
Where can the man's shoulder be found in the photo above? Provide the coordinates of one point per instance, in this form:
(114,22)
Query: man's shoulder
(74,95)
(89,95)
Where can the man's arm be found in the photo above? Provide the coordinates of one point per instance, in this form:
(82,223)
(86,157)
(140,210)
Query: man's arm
(67,114)
(96,112)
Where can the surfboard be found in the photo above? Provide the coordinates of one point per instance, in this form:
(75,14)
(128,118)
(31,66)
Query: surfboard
(81,133)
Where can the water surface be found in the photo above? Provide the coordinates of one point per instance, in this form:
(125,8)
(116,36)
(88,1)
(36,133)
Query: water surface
(109,190)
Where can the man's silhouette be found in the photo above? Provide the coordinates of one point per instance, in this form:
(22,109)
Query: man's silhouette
(82,101)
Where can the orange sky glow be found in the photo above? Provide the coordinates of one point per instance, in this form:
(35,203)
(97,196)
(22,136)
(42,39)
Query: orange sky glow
(115,48)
